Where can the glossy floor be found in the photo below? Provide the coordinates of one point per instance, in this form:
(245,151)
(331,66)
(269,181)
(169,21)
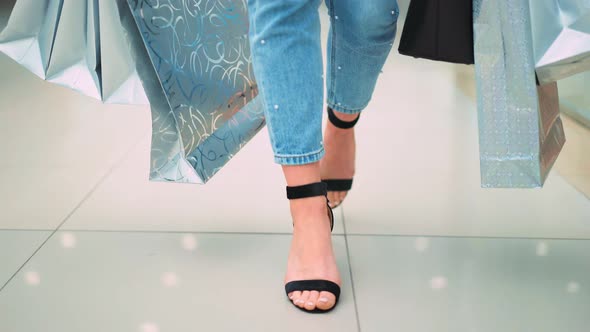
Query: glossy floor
(87,243)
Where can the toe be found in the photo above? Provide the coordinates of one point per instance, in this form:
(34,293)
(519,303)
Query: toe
(326,301)
(302,299)
(294,296)
(312,300)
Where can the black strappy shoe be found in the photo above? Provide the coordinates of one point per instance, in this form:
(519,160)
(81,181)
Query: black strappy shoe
(339,184)
(310,190)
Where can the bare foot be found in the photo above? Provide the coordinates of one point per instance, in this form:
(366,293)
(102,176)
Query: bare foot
(311,255)
(339,160)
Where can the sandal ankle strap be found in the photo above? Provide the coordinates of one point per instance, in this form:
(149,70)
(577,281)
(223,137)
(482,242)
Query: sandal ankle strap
(340,123)
(307,190)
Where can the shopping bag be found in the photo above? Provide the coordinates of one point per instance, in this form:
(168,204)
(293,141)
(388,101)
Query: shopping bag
(28,36)
(195,65)
(120,83)
(439,30)
(561,37)
(520,131)
(74,59)
(76,44)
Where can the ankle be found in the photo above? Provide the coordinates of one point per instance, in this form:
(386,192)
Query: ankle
(308,205)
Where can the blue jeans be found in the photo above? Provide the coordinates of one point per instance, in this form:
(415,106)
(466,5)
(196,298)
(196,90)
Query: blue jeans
(287,61)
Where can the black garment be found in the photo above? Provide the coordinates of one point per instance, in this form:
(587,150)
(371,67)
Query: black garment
(439,30)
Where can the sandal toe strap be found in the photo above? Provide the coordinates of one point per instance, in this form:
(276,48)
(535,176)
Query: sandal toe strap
(313,284)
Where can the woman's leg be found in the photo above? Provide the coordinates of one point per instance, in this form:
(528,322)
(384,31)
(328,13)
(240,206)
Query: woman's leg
(359,41)
(287,62)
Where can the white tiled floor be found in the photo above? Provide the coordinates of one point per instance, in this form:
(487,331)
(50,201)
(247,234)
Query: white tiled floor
(134,255)
(112,281)
(56,138)
(470,284)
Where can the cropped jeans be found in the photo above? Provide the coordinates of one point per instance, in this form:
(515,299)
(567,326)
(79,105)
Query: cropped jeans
(285,42)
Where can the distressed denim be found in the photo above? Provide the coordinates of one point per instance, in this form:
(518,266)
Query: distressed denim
(285,42)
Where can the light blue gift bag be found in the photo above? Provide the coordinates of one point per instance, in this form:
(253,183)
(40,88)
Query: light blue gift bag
(521,48)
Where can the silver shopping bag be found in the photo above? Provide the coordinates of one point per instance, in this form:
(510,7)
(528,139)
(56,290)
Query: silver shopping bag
(74,60)
(561,37)
(194,61)
(520,132)
(29,34)
(75,43)
(120,83)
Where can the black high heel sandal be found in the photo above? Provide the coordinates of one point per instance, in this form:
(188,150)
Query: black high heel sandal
(311,190)
(339,184)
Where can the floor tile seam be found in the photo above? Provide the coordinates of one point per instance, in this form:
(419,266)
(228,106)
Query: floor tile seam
(483,237)
(109,171)
(350,271)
